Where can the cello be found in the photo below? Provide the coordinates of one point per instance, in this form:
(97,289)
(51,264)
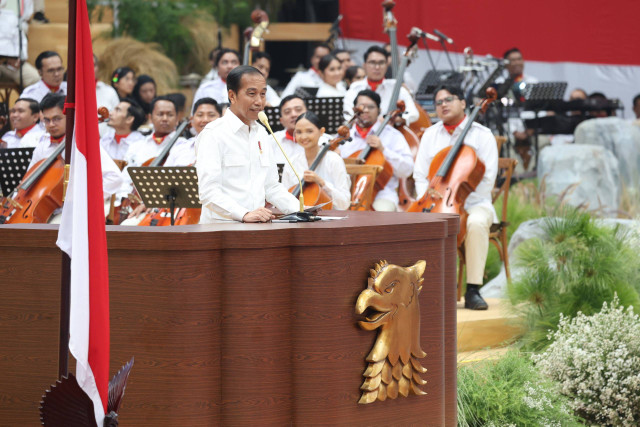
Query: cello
(312,193)
(454,173)
(41,191)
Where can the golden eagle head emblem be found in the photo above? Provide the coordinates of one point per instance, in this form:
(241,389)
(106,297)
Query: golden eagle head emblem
(391,304)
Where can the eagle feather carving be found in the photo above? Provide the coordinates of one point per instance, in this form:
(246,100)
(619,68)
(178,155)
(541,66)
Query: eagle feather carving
(390,303)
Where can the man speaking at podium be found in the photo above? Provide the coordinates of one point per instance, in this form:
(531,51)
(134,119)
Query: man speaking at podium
(234,158)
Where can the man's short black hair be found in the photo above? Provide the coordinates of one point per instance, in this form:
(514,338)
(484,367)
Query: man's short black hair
(510,51)
(221,52)
(235,76)
(178,99)
(289,98)
(135,111)
(260,55)
(369,94)
(203,101)
(52,100)
(45,55)
(378,49)
(336,52)
(636,99)
(34,106)
(453,90)
(162,98)
(322,45)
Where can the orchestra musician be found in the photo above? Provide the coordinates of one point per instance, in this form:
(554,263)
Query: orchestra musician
(262,61)
(49,65)
(236,170)
(450,107)
(122,128)
(310,77)
(332,74)
(24,117)
(375,67)
(391,143)
(330,174)
(226,60)
(344,56)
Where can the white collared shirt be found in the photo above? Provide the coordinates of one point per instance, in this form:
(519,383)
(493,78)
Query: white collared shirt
(106,96)
(236,171)
(479,138)
(308,78)
(39,90)
(385,90)
(272,97)
(331,169)
(118,150)
(216,89)
(291,148)
(147,148)
(183,153)
(30,139)
(396,152)
(325,90)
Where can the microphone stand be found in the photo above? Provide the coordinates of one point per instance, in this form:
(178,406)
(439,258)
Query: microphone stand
(444,47)
(21,84)
(426,47)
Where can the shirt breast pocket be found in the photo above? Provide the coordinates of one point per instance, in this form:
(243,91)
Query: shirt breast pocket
(235,160)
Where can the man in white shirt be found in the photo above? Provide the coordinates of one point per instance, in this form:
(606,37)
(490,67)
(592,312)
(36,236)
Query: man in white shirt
(12,59)
(375,66)
(291,107)
(262,61)
(24,118)
(49,65)
(121,132)
(226,60)
(390,143)
(236,171)
(106,96)
(310,77)
(450,107)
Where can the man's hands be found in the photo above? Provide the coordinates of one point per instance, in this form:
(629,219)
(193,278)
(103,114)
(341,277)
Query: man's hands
(258,215)
(375,142)
(138,210)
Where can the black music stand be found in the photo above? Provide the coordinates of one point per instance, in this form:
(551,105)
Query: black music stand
(13,166)
(306,92)
(167,187)
(330,110)
(431,81)
(273,114)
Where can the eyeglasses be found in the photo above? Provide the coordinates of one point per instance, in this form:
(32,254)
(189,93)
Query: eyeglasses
(448,100)
(376,64)
(56,119)
(366,106)
(54,70)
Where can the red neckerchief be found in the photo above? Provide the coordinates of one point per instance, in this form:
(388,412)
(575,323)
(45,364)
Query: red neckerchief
(314,70)
(53,89)
(363,132)
(451,128)
(223,80)
(518,78)
(289,135)
(23,132)
(57,140)
(119,137)
(374,85)
(158,139)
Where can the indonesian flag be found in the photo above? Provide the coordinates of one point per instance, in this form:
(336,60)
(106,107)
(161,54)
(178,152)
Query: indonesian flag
(82,233)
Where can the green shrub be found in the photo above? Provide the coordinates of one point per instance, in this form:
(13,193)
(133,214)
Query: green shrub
(576,267)
(509,391)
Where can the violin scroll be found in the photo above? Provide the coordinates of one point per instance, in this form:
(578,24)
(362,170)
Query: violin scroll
(103,114)
(259,15)
(492,95)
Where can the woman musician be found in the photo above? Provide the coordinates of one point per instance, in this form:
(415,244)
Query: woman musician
(330,174)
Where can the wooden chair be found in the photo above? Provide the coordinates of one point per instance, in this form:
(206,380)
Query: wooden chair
(112,208)
(497,232)
(354,170)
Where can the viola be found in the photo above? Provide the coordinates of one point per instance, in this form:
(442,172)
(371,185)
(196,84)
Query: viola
(454,173)
(312,193)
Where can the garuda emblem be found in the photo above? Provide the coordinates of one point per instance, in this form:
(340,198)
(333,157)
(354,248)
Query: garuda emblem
(390,303)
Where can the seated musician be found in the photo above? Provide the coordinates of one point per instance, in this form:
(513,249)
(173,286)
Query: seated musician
(236,171)
(262,61)
(49,65)
(24,116)
(450,106)
(375,67)
(310,77)
(330,174)
(332,74)
(391,143)
(122,128)
(55,123)
(226,60)
(344,56)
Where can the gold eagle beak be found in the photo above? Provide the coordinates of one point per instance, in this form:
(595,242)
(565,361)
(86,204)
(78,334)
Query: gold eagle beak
(370,299)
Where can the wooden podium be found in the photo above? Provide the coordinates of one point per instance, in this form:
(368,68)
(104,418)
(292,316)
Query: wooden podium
(237,324)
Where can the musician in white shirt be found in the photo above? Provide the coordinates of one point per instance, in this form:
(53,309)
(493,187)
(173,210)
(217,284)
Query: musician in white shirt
(236,171)
(24,116)
(330,174)
(106,96)
(310,77)
(226,60)
(290,109)
(262,61)
(122,128)
(375,66)
(450,107)
(390,142)
(49,65)
(332,74)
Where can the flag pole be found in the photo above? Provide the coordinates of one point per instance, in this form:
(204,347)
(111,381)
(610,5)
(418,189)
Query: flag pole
(65,277)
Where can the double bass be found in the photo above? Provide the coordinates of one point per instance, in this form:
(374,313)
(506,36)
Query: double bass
(312,193)
(390,24)
(253,36)
(454,173)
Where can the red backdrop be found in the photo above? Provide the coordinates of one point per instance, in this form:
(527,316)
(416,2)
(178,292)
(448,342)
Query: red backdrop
(586,31)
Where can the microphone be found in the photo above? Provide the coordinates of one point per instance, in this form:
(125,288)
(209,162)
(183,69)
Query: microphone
(265,121)
(419,32)
(443,36)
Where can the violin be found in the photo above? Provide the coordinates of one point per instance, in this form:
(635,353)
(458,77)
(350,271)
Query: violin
(41,191)
(314,194)
(253,36)
(454,173)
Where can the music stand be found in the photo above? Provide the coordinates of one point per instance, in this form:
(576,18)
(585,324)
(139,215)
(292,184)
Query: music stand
(306,92)
(13,166)
(273,114)
(330,110)
(167,187)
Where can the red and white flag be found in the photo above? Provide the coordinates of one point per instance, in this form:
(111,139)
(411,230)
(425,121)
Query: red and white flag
(82,233)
